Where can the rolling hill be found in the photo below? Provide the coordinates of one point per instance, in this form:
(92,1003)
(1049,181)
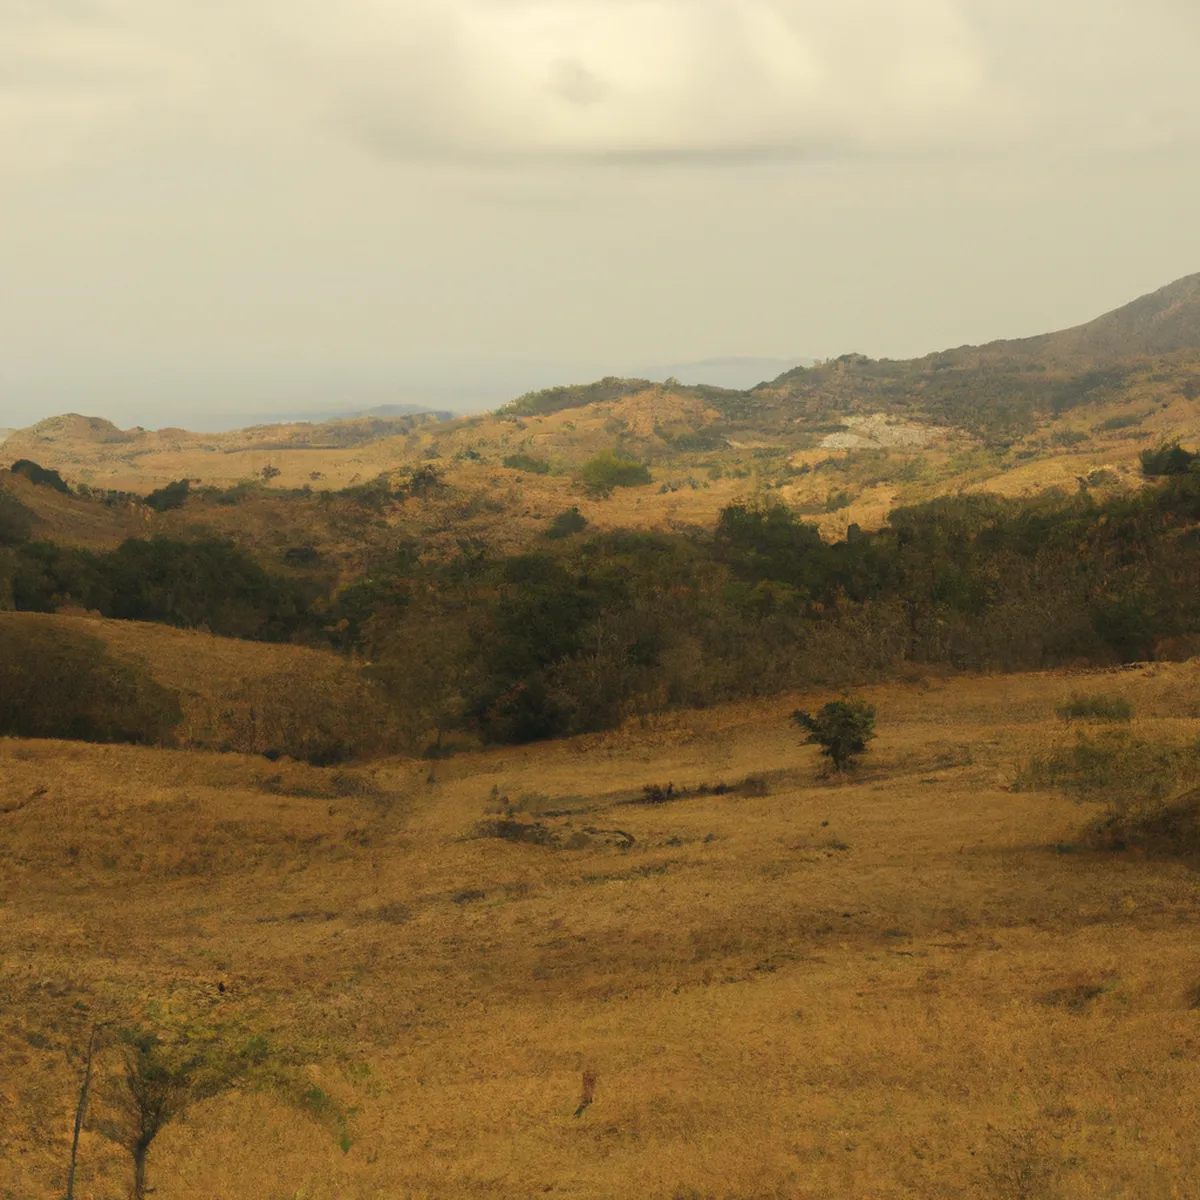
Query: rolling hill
(843,441)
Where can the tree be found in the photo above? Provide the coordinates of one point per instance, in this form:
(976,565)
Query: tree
(1168,459)
(42,476)
(842,729)
(607,471)
(157,1086)
(164,499)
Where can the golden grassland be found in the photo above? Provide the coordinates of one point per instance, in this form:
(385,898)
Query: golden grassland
(898,984)
(511,508)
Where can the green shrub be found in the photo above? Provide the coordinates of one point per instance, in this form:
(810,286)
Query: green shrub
(1169,459)
(1067,437)
(164,499)
(58,681)
(1097,707)
(16,520)
(42,476)
(607,471)
(842,729)
(1147,787)
(527,462)
(1123,422)
(566,523)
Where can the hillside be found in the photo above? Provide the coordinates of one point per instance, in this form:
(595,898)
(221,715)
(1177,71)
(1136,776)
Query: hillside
(843,441)
(914,982)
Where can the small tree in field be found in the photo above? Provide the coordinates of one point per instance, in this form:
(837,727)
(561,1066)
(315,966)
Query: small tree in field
(842,729)
(157,1085)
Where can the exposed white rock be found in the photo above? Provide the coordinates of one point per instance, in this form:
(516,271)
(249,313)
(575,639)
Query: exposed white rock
(878,431)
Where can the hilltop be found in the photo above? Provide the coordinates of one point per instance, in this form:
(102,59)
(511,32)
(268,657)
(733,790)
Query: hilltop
(843,441)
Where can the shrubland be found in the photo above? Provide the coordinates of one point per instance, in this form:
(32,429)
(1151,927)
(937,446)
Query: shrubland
(587,630)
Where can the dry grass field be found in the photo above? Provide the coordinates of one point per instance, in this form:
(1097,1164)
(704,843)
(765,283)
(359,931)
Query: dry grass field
(908,983)
(511,508)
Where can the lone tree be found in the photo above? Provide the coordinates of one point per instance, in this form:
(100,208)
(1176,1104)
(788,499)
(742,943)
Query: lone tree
(842,729)
(157,1086)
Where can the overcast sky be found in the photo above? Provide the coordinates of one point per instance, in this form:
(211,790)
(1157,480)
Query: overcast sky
(240,204)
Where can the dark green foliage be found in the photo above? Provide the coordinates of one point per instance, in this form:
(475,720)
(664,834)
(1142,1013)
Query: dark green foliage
(607,471)
(302,556)
(378,494)
(527,462)
(555,399)
(43,476)
(57,681)
(1096,707)
(1170,459)
(207,583)
(174,495)
(703,440)
(566,523)
(1067,437)
(1126,421)
(16,520)
(842,729)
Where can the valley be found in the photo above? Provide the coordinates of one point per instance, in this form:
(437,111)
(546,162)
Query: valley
(911,982)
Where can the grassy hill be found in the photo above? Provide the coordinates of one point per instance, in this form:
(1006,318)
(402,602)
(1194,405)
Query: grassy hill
(915,981)
(619,931)
(844,441)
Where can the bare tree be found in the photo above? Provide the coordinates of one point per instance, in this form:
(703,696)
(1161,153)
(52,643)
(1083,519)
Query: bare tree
(81,1107)
(157,1087)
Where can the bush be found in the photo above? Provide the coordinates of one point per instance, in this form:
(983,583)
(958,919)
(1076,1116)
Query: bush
(842,729)
(1067,437)
(1170,459)
(606,471)
(16,521)
(42,476)
(527,462)
(164,499)
(1098,707)
(566,523)
(1147,787)
(58,681)
(322,714)
(1123,422)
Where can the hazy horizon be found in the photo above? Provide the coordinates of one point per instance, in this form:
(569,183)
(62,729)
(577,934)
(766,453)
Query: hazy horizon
(218,210)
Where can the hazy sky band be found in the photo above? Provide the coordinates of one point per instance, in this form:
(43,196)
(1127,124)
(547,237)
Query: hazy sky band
(249,197)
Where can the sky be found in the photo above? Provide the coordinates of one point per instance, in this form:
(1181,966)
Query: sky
(212,209)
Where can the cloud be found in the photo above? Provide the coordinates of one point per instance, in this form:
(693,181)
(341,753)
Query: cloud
(601,80)
(651,78)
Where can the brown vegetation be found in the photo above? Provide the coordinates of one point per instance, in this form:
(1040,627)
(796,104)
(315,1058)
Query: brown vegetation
(909,982)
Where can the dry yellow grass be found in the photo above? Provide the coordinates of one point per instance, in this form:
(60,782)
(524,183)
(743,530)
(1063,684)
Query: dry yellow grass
(513,506)
(888,987)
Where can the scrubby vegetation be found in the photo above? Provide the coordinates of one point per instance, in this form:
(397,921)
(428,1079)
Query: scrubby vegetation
(600,475)
(566,523)
(42,476)
(1096,707)
(1147,787)
(595,627)
(16,521)
(205,583)
(173,495)
(1171,459)
(555,399)
(58,682)
(527,462)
